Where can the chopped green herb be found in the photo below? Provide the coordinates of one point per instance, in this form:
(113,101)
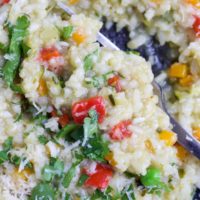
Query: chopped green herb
(67,32)
(43,139)
(67,197)
(82,179)
(64,132)
(90,125)
(112,100)
(3,157)
(96,148)
(40,119)
(25,49)
(54,169)
(19,117)
(90,59)
(96,81)
(18,33)
(134,52)
(69,176)
(7,145)
(43,191)
(3,48)
(128,193)
(15,160)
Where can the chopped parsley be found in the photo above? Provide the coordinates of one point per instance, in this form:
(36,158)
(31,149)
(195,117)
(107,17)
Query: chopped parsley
(67,32)
(90,59)
(43,139)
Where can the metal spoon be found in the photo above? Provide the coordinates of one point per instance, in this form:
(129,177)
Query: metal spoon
(184,138)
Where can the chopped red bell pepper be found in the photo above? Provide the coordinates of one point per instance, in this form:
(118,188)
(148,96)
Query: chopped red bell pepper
(115,82)
(47,54)
(120,130)
(63,119)
(196,26)
(80,109)
(4,2)
(100,178)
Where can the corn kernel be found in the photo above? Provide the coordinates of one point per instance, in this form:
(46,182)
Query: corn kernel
(42,88)
(72,2)
(168,137)
(195,3)
(196,133)
(186,81)
(178,70)
(110,159)
(149,146)
(78,37)
(181,152)
(22,174)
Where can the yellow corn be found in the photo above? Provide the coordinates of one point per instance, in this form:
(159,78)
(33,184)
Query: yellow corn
(78,37)
(186,81)
(181,152)
(178,70)
(149,146)
(196,133)
(24,174)
(72,2)
(110,159)
(42,88)
(195,3)
(168,137)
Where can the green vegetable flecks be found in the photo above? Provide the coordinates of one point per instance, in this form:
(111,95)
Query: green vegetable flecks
(55,168)
(128,193)
(43,191)
(82,179)
(96,148)
(43,139)
(90,59)
(152,181)
(7,145)
(18,33)
(3,157)
(67,32)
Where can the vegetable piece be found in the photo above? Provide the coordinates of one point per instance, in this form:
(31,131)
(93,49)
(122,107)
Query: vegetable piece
(149,146)
(24,174)
(72,2)
(43,191)
(89,60)
(96,148)
(178,70)
(78,37)
(100,178)
(54,169)
(67,32)
(63,119)
(128,193)
(196,132)
(7,145)
(43,139)
(110,158)
(121,131)
(42,88)
(112,100)
(82,179)
(194,3)
(18,33)
(168,137)
(3,157)
(4,2)
(186,81)
(90,125)
(64,132)
(46,54)
(69,175)
(196,26)
(115,82)
(3,48)
(80,109)
(152,178)
(181,152)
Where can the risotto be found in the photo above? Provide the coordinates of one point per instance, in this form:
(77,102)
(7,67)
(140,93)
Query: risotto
(80,121)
